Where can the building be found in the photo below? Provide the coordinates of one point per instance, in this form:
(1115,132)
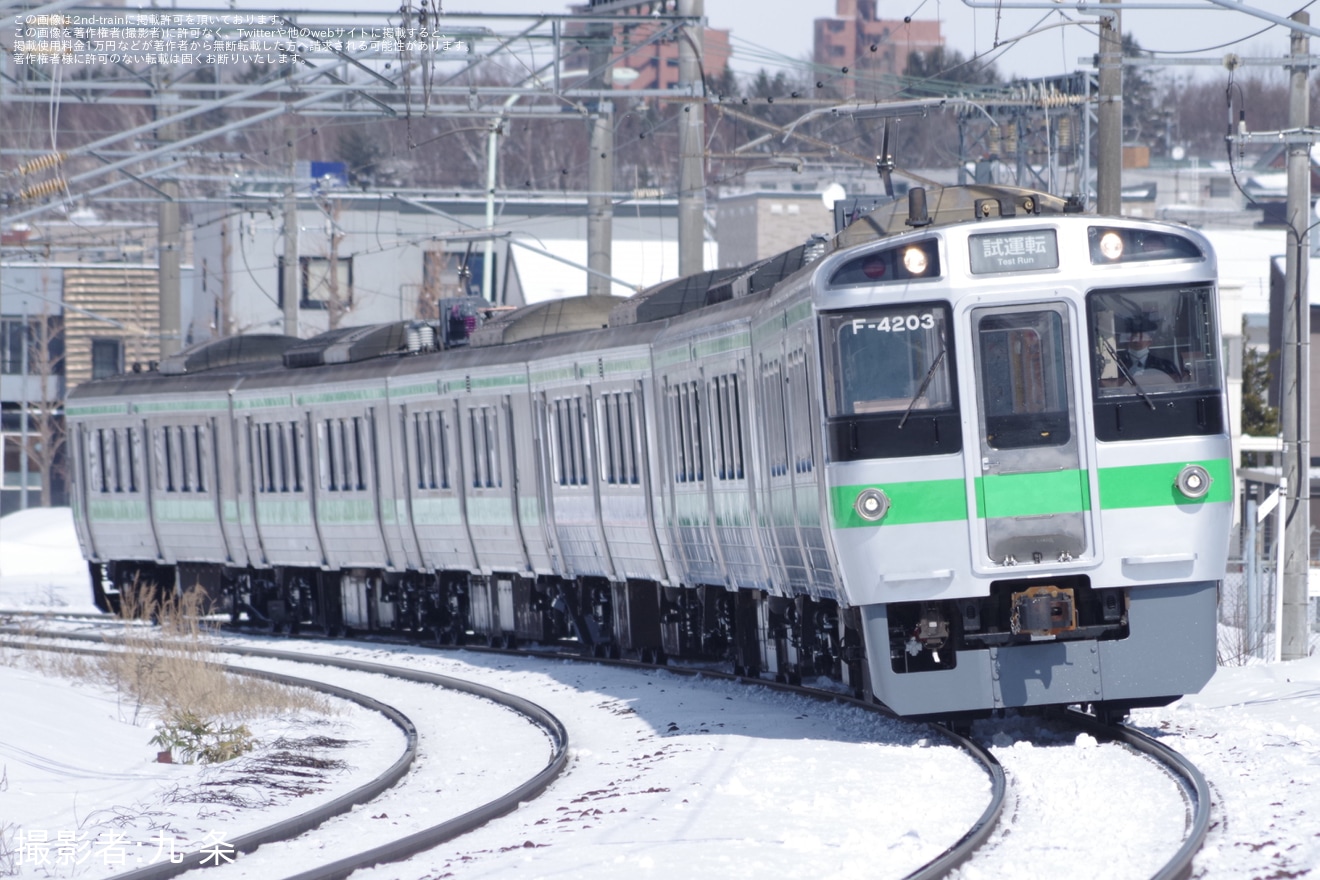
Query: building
(641,60)
(372,258)
(867,47)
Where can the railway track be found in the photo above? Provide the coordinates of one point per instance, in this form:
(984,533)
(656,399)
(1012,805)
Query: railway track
(1071,765)
(394,850)
(990,823)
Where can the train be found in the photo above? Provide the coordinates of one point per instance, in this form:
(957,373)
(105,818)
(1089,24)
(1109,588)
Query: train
(968,454)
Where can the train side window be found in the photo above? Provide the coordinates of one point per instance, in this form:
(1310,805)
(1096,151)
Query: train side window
(423,451)
(631,443)
(325,464)
(557,450)
(776,437)
(441,422)
(607,410)
(360,463)
(803,446)
(171,464)
(270,444)
(295,447)
(739,464)
(203,455)
(134,458)
(115,456)
(571,435)
(346,463)
(95,474)
(719,434)
(282,445)
(490,417)
(674,394)
(580,435)
(478,457)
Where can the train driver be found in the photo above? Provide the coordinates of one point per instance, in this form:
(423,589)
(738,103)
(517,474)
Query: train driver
(1137,361)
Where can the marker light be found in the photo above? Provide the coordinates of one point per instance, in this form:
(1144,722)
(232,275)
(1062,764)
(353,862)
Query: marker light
(914,260)
(871,504)
(1193,481)
(1111,245)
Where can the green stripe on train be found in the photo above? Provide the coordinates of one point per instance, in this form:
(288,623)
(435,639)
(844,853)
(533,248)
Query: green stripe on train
(1151,485)
(1007,495)
(1038,494)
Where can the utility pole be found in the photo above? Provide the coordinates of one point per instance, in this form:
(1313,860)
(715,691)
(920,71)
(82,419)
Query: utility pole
(1109,117)
(169,287)
(292,276)
(1297,361)
(600,165)
(691,146)
(23,412)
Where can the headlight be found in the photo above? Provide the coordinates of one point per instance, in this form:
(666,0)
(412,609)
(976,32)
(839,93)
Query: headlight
(871,504)
(1111,245)
(914,260)
(1193,481)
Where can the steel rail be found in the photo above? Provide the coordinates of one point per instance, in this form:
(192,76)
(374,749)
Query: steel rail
(942,865)
(296,825)
(403,847)
(1190,779)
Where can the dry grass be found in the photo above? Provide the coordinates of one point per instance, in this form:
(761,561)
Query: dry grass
(171,668)
(168,673)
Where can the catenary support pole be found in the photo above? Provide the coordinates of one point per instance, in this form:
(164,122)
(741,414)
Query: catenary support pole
(292,274)
(1109,117)
(1297,362)
(600,167)
(691,146)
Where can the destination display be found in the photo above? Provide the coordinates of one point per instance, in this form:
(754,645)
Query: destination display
(1014,251)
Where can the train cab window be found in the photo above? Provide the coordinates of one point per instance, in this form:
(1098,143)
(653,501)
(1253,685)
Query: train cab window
(887,360)
(888,378)
(1156,362)
(1023,365)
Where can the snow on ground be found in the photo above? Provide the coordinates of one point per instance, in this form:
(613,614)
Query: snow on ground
(670,778)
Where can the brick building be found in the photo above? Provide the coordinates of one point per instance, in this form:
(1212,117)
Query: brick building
(869,47)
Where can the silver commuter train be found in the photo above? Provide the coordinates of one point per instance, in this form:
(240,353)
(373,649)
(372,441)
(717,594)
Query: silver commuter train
(971,454)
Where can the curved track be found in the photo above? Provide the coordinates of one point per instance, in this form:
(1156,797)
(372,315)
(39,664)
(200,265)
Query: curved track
(1192,781)
(395,850)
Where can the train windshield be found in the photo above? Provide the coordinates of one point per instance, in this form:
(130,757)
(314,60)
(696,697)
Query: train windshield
(888,360)
(1146,342)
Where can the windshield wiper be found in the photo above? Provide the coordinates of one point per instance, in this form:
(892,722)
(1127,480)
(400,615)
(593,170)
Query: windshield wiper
(922,390)
(1127,374)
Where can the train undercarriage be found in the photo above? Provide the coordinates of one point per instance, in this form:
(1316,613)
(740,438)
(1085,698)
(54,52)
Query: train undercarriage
(749,632)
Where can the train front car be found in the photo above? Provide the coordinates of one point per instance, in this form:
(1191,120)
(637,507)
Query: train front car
(1030,483)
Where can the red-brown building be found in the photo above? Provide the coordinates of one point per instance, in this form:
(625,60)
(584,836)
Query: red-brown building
(869,47)
(656,64)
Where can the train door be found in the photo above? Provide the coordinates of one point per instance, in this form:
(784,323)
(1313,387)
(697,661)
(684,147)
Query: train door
(1033,493)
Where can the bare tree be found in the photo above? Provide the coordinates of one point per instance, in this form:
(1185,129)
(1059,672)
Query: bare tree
(46,413)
